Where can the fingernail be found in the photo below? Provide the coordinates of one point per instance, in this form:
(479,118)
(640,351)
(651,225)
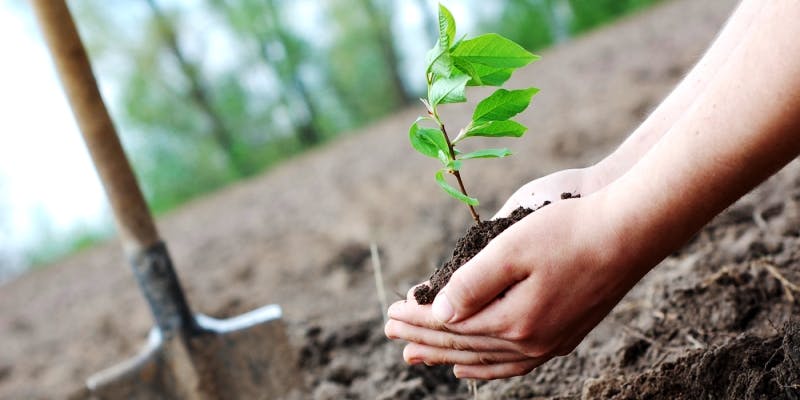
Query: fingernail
(441,308)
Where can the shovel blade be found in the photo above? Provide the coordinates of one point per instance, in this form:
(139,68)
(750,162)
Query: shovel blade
(245,357)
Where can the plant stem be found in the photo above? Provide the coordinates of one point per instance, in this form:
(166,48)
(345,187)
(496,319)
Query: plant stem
(457,174)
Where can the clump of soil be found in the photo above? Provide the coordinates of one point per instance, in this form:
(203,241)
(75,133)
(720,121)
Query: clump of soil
(748,367)
(355,361)
(477,237)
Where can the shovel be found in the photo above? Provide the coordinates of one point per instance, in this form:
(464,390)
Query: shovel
(187,356)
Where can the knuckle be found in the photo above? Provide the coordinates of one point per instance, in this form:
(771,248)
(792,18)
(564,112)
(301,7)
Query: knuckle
(451,342)
(486,359)
(517,334)
(536,351)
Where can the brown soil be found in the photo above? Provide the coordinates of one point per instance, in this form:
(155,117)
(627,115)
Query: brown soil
(717,319)
(469,245)
(476,238)
(748,367)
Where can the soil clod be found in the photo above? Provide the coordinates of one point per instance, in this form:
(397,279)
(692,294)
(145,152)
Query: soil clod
(477,237)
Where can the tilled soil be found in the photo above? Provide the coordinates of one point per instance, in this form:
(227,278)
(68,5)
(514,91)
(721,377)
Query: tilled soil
(717,319)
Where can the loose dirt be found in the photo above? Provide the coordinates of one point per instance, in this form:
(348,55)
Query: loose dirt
(717,319)
(476,238)
(468,246)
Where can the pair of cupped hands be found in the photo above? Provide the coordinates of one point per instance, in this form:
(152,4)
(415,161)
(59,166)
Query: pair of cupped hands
(560,270)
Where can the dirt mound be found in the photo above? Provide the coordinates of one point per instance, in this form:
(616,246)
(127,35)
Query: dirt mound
(719,317)
(748,367)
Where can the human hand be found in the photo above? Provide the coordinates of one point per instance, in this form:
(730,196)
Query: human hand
(532,294)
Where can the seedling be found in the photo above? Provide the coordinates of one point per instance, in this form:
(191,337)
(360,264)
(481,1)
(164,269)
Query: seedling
(486,60)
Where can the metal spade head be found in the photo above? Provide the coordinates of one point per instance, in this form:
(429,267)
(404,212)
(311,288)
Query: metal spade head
(196,356)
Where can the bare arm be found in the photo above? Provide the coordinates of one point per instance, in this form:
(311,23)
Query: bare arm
(681,98)
(591,179)
(742,129)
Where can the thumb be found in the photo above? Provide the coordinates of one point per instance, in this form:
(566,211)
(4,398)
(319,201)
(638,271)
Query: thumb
(477,283)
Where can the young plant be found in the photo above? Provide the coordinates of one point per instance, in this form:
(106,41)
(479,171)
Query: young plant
(452,65)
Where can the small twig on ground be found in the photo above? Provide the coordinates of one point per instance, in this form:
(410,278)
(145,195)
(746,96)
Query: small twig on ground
(759,219)
(726,270)
(772,324)
(378,273)
(790,287)
(774,353)
(661,359)
(639,335)
(472,384)
(695,342)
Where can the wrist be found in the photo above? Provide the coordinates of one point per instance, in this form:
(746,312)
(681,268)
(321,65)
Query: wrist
(614,248)
(596,177)
(648,218)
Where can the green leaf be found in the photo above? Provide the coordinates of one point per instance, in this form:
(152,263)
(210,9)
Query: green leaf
(495,51)
(469,69)
(448,90)
(481,75)
(503,104)
(438,59)
(486,153)
(497,129)
(444,157)
(447,27)
(453,191)
(448,163)
(439,62)
(433,55)
(428,141)
(486,76)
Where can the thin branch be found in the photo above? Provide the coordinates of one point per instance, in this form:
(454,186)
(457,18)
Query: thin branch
(457,174)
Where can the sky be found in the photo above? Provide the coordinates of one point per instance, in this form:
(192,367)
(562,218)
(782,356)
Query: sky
(45,173)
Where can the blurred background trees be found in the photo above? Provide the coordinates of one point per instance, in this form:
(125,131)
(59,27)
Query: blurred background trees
(206,92)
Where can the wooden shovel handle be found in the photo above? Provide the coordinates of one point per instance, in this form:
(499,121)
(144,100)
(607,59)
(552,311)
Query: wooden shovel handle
(130,210)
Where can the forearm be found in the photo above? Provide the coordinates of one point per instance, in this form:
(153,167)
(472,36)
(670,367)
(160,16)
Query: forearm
(743,128)
(681,98)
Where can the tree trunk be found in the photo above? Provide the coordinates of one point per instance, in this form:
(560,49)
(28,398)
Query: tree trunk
(199,93)
(306,131)
(382,28)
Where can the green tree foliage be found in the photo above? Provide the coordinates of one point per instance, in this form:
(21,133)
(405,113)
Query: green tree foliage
(197,90)
(527,22)
(588,14)
(379,14)
(356,66)
(263,23)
